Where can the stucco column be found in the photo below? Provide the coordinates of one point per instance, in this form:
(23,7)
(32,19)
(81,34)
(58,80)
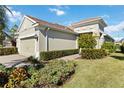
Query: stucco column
(37,51)
(97,40)
(18,44)
(101,41)
(46,40)
(77,42)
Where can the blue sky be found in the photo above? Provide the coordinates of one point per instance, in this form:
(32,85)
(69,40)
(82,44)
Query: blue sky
(65,15)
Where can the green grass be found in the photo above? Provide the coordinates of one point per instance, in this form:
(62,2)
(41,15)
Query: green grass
(102,73)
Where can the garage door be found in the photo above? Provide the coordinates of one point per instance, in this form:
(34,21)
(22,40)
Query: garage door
(27,47)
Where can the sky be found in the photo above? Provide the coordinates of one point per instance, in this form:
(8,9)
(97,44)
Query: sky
(65,15)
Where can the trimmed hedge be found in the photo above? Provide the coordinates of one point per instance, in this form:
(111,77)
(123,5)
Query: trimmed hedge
(122,48)
(93,53)
(56,54)
(8,51)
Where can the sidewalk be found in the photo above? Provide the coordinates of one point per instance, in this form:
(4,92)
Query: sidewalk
(70,57)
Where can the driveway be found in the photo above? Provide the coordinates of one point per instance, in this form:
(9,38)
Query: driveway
(12,60)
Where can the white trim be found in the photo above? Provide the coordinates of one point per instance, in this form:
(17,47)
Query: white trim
(23,21)
(76,42)
(36,53)
(37,43)
(26,36)
(46,41)
(30,19)
(83,31)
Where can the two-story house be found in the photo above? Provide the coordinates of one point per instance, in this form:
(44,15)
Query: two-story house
(94,26)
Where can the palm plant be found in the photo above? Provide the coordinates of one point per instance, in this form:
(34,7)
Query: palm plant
(3,21)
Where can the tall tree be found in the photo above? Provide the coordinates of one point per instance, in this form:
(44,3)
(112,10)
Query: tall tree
(3,21)
(13,30)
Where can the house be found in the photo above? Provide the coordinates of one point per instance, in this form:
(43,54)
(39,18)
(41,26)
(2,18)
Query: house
(122,41)
(95,26)
(35,35)
(8,41)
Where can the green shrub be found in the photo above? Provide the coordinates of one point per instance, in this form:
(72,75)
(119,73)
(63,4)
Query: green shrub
(109,46)
(86,41)
(2,68)
(93,53)
(53,74)
(1,46)
(32,81)
(16,76)
(8,51)
(56,54)
(3,78)
(56,72)
(122,48)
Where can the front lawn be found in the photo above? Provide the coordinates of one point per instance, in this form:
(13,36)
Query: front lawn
(101,73)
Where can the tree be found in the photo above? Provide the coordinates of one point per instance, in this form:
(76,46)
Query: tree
(3,21)
(110,46)
(86,41)
(13,30)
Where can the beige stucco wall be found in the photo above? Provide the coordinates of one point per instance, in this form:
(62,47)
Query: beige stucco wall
(42,40)
(26,28)
(95,28)
(58,40)
(92,27)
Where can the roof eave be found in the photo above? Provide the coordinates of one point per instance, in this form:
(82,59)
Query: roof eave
(67,31)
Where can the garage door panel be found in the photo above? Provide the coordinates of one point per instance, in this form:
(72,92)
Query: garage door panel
(28,47)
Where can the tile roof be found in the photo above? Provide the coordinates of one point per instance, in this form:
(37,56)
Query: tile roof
(87,21)
(51,25)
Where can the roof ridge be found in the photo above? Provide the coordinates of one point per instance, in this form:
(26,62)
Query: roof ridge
(50,24)
(87,20)
(45,21)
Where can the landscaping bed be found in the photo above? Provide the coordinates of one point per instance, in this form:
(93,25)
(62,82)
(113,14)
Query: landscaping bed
(52,74)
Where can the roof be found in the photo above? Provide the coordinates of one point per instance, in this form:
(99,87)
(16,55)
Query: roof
(89,20)
(51,25)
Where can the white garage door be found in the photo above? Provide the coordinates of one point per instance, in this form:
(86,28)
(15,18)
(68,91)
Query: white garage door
(27,47)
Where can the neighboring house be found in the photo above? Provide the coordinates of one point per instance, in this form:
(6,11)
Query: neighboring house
(35,35)
(122,41)
(118,42)
(8,41)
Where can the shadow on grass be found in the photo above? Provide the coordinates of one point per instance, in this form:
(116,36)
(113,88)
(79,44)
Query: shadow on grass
(118,57)
(118,52)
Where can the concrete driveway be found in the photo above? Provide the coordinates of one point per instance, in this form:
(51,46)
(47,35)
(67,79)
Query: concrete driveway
(12,60)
